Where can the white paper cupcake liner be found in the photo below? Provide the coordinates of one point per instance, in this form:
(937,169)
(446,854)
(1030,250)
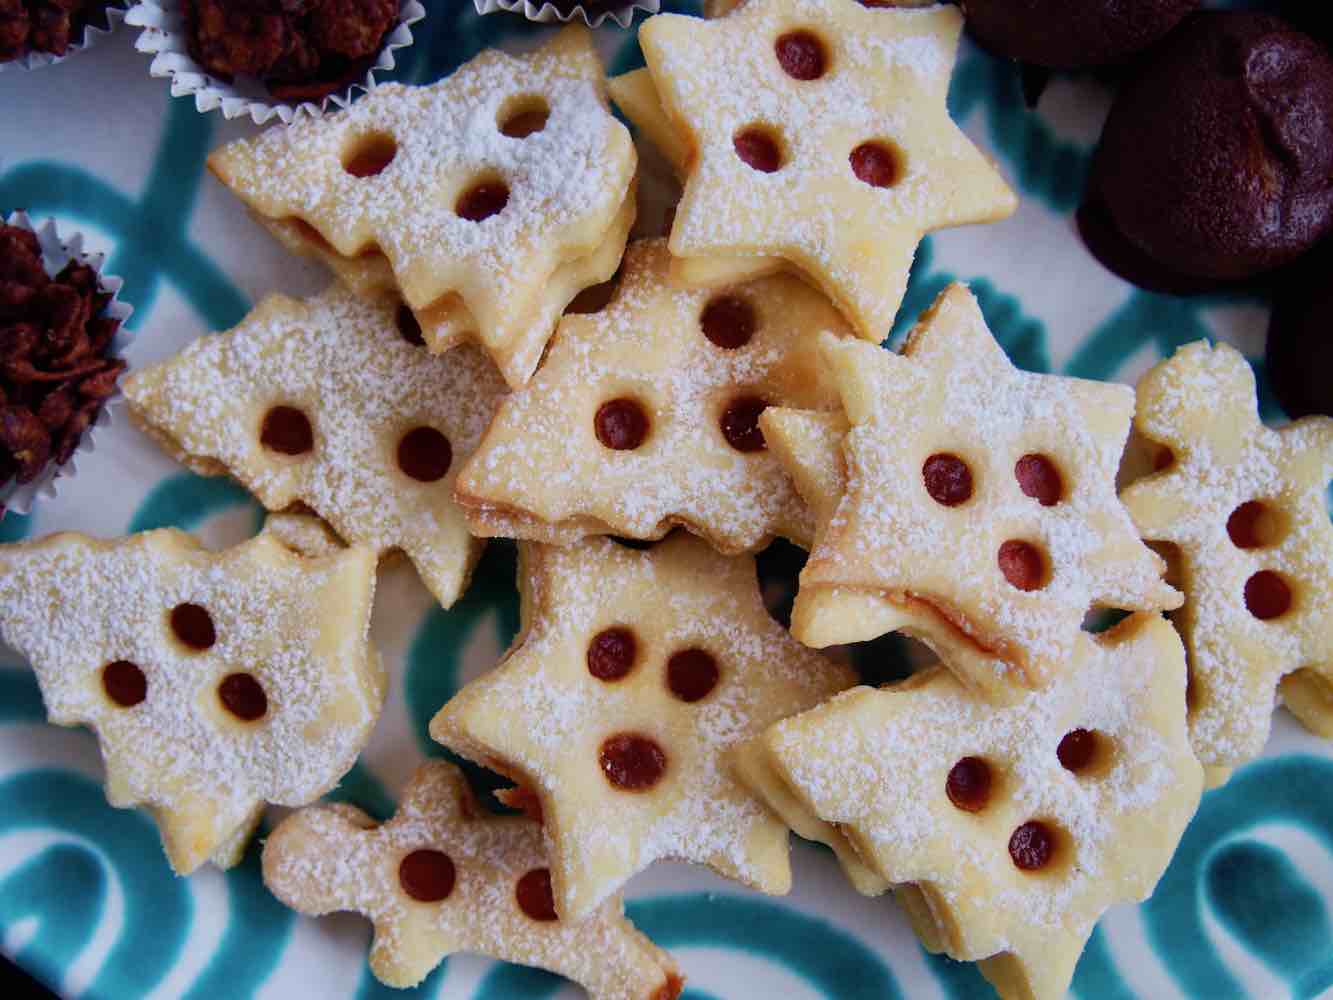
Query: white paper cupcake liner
(163,35)
(56,253)
(544,12)
(91,35)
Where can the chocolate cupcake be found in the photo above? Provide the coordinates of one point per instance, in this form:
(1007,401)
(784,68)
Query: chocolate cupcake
(1070,34)
(1216,162)
(37,33)
(1300,337)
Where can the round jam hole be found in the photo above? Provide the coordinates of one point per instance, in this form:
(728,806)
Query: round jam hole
(611,653)
(1039,479)
(527,116)
(287,431)
(1249,525)
(1267,595)
(424,454)
(483,200)
(621,424)
(193,626)
(409,327)
(427,876)
(691,674)
(758,149)
(242,696)
(740,423)
(1077,749)
(124,683)
(1022,564)
(631,762)
(370,155)
(969,783)
(728,322)
(534,896)
(948,479)
(876,164)
(801,55)
(1032,846)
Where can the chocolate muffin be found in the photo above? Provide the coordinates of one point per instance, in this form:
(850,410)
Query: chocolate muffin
(1216,161)
(1300,337)
(46,25)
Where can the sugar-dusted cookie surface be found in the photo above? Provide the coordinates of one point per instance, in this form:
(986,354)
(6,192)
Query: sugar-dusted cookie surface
(1014,827)
(326,402)
(1245,507)
(980,501)
(820,135)
(643,416)
(442,877)
(477,187)
(215,681)
(634,676)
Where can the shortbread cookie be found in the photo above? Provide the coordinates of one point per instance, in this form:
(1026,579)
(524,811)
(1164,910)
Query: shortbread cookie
(476,189)
(643,416)
(1245,508)
(820,136)
(215,681)
(447,322)
(980,508)
(442,877)
(635,675)
(1014,827)
(326,402)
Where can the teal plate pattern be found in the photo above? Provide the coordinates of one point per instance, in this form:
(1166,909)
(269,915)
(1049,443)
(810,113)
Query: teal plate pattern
(87,902)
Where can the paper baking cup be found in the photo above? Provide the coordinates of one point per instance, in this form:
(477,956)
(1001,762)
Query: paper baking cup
(56,253)
(163,35)
(91,35)
(545,13)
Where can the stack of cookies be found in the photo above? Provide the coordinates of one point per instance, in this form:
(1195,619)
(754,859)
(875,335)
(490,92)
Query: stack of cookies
(731,391)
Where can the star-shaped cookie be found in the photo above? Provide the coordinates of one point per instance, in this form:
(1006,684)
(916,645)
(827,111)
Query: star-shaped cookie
(819,134)
(980,511)
(635,675)
(215,681)
(476,189)
(696,368)
(1244,506)
(1012,828)
(442,877)
(326,402)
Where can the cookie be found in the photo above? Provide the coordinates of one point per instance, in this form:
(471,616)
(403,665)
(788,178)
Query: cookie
(635,675)
(215,681)
(980,512)
(819,135)
(442,877)
(1012,828)
(475,190)
(326,402)
(1244,509)
(643,416)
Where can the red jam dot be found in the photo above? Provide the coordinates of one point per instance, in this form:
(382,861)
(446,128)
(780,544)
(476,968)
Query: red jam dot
(631,762)
(1267,595)
(621,424)
(242,696)
(801,55)
(611,653)
(758,149)
(287,431)
(534,896)
(728,322)
(409,327)
(193,626)
(481,201)
(424,454)
(1039,478)
(1246,525)
(371,155)
(528,117)
(875,164)
(691,674)
(1077,750)
(427,876)
(969,783)
(948,479)
(124,683)
(740,423)
(1022,564)
(1032,846)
